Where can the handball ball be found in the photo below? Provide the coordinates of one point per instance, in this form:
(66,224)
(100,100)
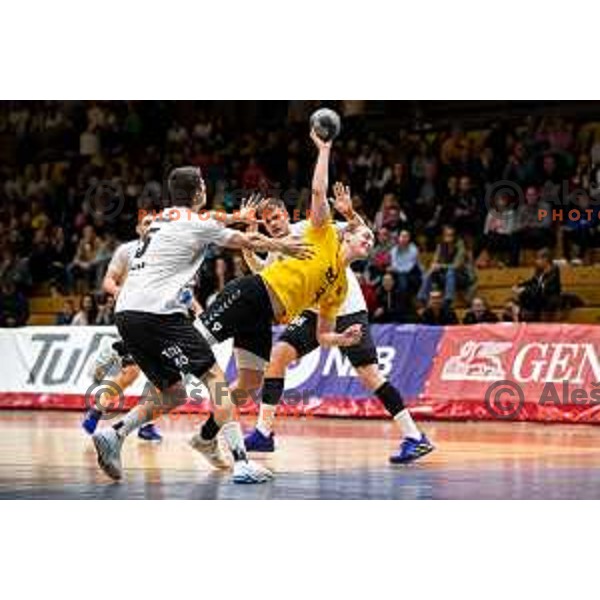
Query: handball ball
(326,123)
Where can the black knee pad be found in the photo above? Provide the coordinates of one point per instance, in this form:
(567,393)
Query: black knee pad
(272,391)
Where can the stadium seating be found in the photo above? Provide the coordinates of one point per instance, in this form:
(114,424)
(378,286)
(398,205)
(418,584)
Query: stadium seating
(493,284)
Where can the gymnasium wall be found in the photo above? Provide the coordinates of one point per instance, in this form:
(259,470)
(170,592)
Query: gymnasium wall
(501,371)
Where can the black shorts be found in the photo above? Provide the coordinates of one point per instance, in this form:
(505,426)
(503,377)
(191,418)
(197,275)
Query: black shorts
(242,311)
(127,359)
(165,347)
(301,334)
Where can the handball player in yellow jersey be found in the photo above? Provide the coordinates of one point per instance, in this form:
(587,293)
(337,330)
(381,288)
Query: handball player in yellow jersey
(247,307)
(300,339)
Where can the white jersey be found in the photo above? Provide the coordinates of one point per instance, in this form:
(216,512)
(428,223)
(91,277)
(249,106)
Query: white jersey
(354,301)
(167,259)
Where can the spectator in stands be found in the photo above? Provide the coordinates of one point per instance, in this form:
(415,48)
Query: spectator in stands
(511,312)
(380,257)
(548,177)
(427,202)
(253,176)
(501,231)
(88,311)
(437,311)
(450,268)
(39,265)
(14,309)
(535,221)
(465,212)
(58,256)
(517,168)
(15,269)
(389,215)
(106,311)
(380,174)
(540,296)
(177,134)
(398,185)
(451,147)
(66,315)
(479,313)
(580,231)
(389,308)
(105,248)
(404,263)
(89,142)
(369,293)
(83,267)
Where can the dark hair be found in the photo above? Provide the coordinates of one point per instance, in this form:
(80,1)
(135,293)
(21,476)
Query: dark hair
(184,183)
(545,254)
(93,310)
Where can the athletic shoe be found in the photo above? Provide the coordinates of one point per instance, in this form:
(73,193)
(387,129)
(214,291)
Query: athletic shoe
(211,450)
(250,472)
(108,447)
(256,441)
(149,433)
(412,449)
(90,420)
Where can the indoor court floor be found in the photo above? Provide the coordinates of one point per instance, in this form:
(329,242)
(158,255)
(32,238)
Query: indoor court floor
(47,455)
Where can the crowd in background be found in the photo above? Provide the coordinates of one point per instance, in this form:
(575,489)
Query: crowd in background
(80,172)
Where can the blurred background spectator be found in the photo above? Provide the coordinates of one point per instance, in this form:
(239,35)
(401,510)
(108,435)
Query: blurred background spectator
(479,312)
(540,296)
(437,311)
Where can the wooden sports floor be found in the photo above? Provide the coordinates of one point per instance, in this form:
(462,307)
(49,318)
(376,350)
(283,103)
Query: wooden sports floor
(47,455)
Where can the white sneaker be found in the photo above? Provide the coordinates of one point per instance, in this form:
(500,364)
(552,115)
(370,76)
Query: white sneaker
(108,447)
(250,472)
(211,450)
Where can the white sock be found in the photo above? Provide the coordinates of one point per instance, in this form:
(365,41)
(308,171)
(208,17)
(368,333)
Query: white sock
(232,434)
(407,425)
(136,417)
(266,419)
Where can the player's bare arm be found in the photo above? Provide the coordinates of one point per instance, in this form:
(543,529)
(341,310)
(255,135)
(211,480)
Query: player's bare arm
(288,246)
(111,283)
(342,202)
(327,335)
(319,207)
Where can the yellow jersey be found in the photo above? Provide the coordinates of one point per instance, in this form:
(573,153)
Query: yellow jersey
(318,282)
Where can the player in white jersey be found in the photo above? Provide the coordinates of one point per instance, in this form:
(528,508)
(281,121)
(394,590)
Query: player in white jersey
(156,329)
(114,369)
(300,338)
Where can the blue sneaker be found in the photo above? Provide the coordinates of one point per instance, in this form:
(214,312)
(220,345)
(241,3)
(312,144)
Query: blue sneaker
(90,420)
(412,449)
(149,433)
(256,441)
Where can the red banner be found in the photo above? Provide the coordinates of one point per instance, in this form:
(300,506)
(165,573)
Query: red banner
(548,372)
